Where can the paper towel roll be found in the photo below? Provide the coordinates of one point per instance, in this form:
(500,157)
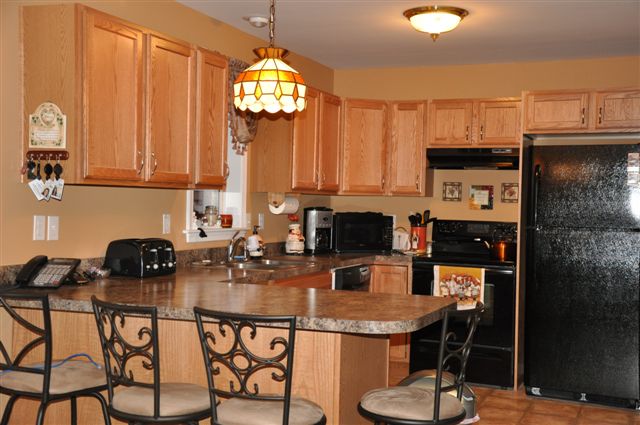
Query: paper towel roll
(289,206)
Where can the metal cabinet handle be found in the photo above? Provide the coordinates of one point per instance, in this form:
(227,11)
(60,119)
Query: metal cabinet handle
(600,115)
(417,181)
(322,178)
(141,163)
(582,118)
(383,182)
(481,132)
(226,170)
(155,163)
(466,133)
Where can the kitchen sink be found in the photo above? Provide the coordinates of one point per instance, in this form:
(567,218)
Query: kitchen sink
(258,265)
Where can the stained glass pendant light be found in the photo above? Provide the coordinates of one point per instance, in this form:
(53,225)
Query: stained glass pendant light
(270,84)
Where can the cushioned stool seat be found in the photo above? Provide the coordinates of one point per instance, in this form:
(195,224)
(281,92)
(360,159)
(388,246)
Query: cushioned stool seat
(71,376)
(410,403)
(175,399)
(239,411)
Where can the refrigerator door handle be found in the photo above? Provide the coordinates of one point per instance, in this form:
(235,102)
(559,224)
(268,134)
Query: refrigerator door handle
(537,174)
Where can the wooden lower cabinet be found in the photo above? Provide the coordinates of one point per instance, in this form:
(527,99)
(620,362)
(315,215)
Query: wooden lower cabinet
(330,368)
(393,280)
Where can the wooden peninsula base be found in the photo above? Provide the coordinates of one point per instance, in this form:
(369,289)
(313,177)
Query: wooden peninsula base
(333,369)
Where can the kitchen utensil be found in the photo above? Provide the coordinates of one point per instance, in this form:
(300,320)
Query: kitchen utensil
(418,219)
(412,220)
(425,216)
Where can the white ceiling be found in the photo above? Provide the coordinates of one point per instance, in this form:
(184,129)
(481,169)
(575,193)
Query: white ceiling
(364,34)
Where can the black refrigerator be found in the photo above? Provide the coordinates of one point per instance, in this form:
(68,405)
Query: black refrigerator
(582,320)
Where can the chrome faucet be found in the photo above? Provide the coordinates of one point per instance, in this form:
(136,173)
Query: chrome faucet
(233,247)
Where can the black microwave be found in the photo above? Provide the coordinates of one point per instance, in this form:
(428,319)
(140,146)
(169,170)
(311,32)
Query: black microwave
(362,232)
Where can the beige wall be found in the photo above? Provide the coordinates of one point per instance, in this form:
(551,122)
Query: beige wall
(489,80)
(92,216)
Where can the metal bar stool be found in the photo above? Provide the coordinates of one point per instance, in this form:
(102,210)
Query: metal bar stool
(129,339)
(440,403)
(46,380)
(234,358)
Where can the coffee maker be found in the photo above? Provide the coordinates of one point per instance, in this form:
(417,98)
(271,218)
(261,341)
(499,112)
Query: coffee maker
(318,222)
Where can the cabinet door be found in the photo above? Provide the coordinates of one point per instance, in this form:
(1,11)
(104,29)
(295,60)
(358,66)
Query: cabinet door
(499,123)
(450,122)
(212,103)
(554,112)
(407,153)
(170,103)
(618,109)
(113,137)
(329,143)
(304,161)
(392,280)
(364,147)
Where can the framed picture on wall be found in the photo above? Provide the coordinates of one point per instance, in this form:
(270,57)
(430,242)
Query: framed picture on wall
(481,197)
(509,192)
(452,191)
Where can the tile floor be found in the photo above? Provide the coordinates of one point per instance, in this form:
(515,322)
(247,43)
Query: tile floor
(500,407)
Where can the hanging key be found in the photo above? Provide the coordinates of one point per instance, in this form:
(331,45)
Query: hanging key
(31,166)
(57,170)
(48,170)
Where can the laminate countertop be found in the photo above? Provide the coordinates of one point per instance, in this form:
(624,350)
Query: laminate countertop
(254,292)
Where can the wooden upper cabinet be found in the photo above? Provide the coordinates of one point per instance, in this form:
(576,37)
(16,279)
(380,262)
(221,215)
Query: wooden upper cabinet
(364,147)
(450,122)
(499,123)
(553,111)
(407,149)
(170,105)
(211,168)
(329,143)
(618,109)
(304,161)
(113,136)
(473,122)
(582,111)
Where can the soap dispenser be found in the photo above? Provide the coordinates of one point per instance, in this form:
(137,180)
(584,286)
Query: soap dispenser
(255,245)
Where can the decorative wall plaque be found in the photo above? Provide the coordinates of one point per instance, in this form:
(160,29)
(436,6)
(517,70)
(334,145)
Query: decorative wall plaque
(48,127)
(481,197)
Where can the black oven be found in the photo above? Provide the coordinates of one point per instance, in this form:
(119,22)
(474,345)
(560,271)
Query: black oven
(362,232)
(491,358)
(462,243)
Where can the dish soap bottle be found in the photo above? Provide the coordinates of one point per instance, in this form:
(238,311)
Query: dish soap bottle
(255,245)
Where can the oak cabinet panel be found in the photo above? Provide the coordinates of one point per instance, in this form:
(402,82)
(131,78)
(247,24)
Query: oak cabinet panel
(316,144)
(392,280)
(321,280)
(556,111)
(329,142)
(617,109)
(212,168)
(113,127)
(499,123)
(304,171)
(450,122)
(407,149)
(474,122)
(171,87)
(364,147)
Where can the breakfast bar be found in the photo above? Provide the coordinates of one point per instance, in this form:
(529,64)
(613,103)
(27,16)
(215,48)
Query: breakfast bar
(341,350)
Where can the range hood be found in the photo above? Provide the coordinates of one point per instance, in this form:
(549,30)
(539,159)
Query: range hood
(474,158)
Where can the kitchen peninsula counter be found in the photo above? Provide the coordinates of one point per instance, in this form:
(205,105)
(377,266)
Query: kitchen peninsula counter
(341,346)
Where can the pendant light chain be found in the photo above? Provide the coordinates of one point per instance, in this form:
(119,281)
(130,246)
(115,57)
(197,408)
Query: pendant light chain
(272,22)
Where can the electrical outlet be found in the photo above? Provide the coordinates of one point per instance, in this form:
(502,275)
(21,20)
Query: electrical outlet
(166,224)
(38,227)
(261,220)
(53,227)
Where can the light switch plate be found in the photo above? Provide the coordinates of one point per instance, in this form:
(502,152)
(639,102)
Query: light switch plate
(261,220)
(53,227)
(166,224)
(38,227)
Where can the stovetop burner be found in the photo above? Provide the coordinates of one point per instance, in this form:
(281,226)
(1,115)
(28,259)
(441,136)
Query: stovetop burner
(464,242)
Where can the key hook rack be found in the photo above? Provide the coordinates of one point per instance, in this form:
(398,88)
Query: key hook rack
(38,155)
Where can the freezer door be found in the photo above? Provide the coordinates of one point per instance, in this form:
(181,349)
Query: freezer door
(582,320)
(583,186)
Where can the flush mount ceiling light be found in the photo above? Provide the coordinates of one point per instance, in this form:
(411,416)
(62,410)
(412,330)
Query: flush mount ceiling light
(435,19)
(270,84)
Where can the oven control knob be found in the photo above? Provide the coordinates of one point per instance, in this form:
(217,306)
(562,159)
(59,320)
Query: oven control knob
(155,266)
